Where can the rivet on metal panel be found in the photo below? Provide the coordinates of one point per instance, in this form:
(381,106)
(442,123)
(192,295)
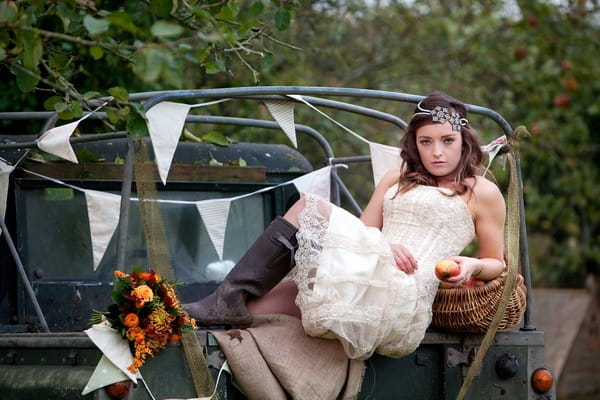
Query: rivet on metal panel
(11,358)
(71,358)
(421,360)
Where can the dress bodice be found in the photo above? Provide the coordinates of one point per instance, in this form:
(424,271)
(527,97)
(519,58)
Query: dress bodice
(430,223)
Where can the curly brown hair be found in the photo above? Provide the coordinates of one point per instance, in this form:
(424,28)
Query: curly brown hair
(414,172)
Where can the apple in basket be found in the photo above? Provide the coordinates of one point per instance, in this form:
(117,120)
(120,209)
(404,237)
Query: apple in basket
(474,282)
(446,269)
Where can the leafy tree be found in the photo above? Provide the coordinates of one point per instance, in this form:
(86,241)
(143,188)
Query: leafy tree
(69,52)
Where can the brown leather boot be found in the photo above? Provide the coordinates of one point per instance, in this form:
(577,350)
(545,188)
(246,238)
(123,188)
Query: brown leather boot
(263,266)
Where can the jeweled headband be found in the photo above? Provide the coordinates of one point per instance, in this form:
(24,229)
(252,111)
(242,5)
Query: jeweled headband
(441,114)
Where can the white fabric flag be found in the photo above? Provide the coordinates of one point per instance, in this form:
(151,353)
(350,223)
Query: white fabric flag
(283,112)
(5,171)
(105,373)
(56,141)
(103,214)
(492,149)
(165,124)
(317,182)
(113,346)
(383,158)
(214,214)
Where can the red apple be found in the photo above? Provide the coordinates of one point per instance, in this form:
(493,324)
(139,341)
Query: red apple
(118,390)
(446,269)
(562,100)
(474,282)
(532,20)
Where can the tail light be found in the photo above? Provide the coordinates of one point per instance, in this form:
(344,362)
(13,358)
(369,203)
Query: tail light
(542,380)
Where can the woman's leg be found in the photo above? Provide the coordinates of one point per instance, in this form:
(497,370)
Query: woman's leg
(280,300)
(293,213)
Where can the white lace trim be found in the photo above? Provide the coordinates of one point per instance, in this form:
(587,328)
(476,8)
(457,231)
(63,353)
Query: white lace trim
(313,227)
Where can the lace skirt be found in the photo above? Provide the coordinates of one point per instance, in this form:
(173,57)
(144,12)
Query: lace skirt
(349,287)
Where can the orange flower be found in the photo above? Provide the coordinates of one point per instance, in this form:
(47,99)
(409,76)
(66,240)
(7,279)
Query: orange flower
(135,334)
(141,295)
(145,276)
(175,338)
(169,297)
(160,320)
(119,274)
(131,320)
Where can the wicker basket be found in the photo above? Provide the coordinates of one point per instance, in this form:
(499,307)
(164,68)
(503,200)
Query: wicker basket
(471,309)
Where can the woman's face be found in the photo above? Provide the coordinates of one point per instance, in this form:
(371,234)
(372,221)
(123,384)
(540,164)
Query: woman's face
(440,149)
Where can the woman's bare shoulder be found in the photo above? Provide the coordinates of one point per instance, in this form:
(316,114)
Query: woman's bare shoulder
(487,191)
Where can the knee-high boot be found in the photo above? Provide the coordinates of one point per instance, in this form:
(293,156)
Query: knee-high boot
(265,264)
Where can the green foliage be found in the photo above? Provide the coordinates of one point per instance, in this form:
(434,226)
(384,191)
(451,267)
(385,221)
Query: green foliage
(58,50)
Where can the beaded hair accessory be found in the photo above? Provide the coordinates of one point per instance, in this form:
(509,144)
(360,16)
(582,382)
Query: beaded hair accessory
(441,114)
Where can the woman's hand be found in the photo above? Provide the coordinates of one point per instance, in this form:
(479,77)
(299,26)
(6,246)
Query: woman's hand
(403,258)
(468,267)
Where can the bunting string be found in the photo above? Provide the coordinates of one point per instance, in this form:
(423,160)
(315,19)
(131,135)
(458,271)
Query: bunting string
(103,209)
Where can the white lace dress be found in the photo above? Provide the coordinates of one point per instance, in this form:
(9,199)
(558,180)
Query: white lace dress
(349,287)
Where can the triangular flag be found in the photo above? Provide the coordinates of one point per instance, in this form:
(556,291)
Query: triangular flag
(114,346)
(214,213)
(103,214)
(317,182)
(5,171)
(165,124)
(56,141)
(283,112)
(492,149)
(383,159)
(105,373)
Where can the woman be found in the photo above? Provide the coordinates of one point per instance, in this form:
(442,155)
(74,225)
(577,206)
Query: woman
(370,282)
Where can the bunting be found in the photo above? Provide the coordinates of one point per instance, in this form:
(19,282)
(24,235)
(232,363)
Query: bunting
(283,113)
(5,171)
(113,346)
(116,358)
(56,141)
(317,182)
(103,215)
(214,214)
(165,124)
(383,159)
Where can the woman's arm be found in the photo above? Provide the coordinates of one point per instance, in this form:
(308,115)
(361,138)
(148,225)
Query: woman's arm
(373,213)
(489,211)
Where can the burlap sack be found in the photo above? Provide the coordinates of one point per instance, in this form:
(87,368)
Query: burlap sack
(275,356)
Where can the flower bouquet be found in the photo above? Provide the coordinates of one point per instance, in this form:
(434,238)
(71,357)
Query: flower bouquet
(146,312)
